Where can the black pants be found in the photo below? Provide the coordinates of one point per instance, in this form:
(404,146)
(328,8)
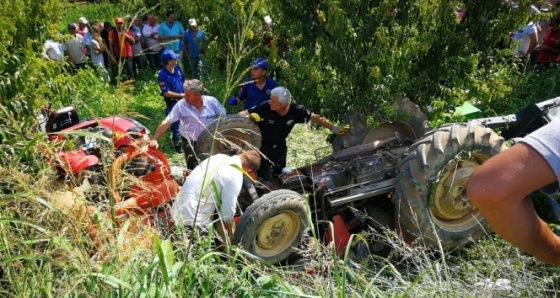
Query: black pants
(128,66)
(190,156)
(277,155)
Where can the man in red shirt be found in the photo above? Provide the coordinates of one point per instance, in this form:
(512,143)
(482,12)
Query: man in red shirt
(120,42)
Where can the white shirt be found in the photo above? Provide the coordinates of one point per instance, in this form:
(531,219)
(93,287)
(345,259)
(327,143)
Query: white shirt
(75,48)
(96,59)
(219,174)
(529,30)
(53,50)
(193,122)
(153,42)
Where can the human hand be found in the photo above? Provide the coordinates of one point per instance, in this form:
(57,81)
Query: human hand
(255,117)
(232,101)
(341,130)
(153,144)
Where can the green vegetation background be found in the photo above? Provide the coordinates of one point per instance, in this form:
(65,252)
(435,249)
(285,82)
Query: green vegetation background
(336,57)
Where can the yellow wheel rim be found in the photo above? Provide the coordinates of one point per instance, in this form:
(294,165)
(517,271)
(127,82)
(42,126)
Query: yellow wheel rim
(450,204)
(277,234)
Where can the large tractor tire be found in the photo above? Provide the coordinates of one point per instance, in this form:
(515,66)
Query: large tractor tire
(430,196)
(273,226)
(229,135)
(410,122)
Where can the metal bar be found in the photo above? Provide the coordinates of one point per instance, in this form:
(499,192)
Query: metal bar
(377,189)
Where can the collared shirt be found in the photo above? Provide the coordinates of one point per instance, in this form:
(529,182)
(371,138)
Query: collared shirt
(253,96)
(193,40)
(169,81)
(153,42)
(75,48)
(197,193)
(193,121)
(175,29)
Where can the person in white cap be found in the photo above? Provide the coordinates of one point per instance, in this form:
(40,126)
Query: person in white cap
(195,46)
(82,26)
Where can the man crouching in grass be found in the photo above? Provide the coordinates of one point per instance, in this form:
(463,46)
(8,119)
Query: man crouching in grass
(212,189)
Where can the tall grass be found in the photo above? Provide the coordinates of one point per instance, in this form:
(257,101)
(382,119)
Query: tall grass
(46,250)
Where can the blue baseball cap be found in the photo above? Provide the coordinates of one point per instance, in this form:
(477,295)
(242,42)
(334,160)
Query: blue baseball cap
(260,62)
(169,55)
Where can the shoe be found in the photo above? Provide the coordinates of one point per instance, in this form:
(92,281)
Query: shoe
(178,147)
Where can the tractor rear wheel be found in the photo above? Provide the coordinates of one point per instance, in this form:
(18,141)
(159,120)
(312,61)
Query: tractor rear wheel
(229,135)
(273,226)
(410,122)
(430,197)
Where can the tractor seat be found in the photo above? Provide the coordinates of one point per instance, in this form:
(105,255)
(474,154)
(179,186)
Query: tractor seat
(62,119)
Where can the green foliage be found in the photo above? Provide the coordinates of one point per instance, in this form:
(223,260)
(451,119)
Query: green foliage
(341,56)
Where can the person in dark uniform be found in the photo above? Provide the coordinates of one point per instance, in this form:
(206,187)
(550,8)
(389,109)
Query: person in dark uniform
(170,80)
(276,118)
(256,89)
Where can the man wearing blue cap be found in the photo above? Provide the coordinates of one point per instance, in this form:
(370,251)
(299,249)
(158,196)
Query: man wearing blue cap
(256,89)
(171,79)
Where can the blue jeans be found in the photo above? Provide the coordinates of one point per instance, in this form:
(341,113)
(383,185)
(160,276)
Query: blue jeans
(175,136)
(194,63)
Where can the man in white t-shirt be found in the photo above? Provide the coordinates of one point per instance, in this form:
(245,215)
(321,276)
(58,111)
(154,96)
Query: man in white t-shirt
(529,40)
(213,185)
(75,48)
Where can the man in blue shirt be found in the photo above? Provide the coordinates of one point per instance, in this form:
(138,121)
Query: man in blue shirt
(195,45)
(194,113)
(256,89)
(170,33)
(170,80)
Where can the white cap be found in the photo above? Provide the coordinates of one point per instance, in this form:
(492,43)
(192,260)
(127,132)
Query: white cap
(268,19)
(192,22)
(82,20)
(534,10)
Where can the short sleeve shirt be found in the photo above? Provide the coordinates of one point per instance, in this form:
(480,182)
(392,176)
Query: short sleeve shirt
(125,49)
(171,81)
(197,193)
(175,29)
(193,121)
(75,48)
(254,96)
(275,128)
(193,41)
(546,141)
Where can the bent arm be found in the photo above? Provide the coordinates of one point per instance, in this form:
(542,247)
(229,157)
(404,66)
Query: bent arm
(499,188)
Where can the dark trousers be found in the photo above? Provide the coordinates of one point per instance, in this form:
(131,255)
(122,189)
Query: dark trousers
(174,128)
(139,63)
(190,156)
(154,59)
(127,64)
(277,155)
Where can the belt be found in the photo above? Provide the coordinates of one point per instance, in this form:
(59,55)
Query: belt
(274,146)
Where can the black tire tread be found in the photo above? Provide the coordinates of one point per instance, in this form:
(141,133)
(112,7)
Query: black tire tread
(263,208)
(421,167)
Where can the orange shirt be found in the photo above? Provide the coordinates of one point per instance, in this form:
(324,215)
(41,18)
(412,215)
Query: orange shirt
(122,44)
